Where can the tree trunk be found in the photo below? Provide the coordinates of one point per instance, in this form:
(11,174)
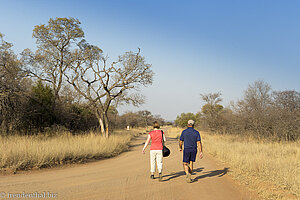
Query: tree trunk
(100,120)
(101,126)
(106,124)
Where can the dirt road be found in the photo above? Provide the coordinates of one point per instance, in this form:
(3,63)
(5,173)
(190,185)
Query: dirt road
(127,177)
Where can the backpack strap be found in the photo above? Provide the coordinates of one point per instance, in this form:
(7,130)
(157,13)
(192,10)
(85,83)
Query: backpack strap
(162,135)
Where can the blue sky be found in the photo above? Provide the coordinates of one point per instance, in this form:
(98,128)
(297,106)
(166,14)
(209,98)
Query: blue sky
(194,46)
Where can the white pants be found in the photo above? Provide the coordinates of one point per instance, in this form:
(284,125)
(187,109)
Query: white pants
(156,157)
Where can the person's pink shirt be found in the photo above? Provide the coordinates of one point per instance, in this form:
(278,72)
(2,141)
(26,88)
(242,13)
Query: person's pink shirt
(156,140)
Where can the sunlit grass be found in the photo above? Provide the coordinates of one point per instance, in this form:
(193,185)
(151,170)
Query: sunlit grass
(270,168)
(27,152)
(173,132)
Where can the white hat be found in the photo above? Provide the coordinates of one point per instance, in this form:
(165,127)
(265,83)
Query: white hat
(191,122)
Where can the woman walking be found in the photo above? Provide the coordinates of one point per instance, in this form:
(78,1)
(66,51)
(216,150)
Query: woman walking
(156,136)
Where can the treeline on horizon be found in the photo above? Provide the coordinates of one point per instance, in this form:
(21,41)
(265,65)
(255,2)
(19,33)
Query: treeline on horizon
(261,113)
(33,110)
(68,84)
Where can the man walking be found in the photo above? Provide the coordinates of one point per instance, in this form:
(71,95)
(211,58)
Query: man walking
(191,140)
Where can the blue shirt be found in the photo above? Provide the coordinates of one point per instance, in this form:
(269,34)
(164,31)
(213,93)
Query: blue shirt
(190,137)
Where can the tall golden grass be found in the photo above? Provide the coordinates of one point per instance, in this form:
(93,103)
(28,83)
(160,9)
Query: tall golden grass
(27,152)
(272,169)
(172,132)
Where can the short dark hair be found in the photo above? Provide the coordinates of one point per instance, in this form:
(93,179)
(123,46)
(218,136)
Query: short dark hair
(156,124)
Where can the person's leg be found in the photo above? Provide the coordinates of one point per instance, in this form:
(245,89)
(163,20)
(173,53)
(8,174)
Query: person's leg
(159,160)
(187,172)
(191,167)
(186,160)
(152,162)
(192,160)
(186,168)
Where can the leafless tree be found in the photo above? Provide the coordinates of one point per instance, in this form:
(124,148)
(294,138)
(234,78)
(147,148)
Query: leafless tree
(103,85)
(212,98)
(255,106)
(286,114)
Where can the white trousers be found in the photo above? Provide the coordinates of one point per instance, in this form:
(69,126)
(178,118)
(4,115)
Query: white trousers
(156,157)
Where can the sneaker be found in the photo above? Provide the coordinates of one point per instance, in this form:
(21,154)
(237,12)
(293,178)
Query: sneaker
(188,178)
(152,176)
(160,177)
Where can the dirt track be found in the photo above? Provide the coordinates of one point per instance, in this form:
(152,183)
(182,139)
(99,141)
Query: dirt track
(127,177)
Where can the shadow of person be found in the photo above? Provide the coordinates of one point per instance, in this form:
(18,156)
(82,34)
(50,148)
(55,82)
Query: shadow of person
(218,173)
(178,174)
(136,145)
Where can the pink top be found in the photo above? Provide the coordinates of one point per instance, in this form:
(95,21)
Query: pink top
(156,140)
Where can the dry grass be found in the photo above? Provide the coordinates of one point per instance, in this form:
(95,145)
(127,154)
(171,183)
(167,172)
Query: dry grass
(272,169)
(28,152)
(172,132)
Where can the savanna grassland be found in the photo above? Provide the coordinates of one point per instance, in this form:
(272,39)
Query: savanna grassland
(42,151)
(272,169)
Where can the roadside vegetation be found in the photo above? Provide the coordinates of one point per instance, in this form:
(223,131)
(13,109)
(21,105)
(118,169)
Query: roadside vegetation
(68,83)
(270,168)
(46,151)
(261,113)
(59,104)
(258,137)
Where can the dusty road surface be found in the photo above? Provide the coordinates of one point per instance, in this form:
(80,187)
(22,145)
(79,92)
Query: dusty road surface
(127,177)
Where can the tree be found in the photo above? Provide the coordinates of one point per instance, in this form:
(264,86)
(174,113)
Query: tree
(138,119)
(39,113)
(131,119)
(146,116)
(103,85)
(183,119)
(212,109)
(255,107)
(11,86)
(212,99)
(286,114)
(289,100)
(54,54)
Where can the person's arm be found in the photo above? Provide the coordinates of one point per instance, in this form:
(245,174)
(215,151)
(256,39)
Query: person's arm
(146,143)
(180,145)
(181,139)
(199,145)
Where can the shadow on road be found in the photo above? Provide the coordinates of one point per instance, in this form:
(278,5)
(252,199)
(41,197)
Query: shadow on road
(218,173)
(181,173)
(136,145)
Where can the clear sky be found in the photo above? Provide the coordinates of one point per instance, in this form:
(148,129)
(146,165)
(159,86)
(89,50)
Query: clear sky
(194,46)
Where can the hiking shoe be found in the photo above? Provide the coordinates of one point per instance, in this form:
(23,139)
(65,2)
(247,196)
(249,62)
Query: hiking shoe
(160,177)
(188,178)
(152,176)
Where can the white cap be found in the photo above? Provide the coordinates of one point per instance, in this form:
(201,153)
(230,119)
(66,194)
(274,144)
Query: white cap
(191,122)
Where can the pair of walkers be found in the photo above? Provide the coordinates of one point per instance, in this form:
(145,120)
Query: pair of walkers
(189,138)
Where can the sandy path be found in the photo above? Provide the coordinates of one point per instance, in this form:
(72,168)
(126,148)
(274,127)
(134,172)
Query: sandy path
(127,177)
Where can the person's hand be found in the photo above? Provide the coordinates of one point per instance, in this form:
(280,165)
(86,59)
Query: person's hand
(201,155)
(180,149)
(143,151)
